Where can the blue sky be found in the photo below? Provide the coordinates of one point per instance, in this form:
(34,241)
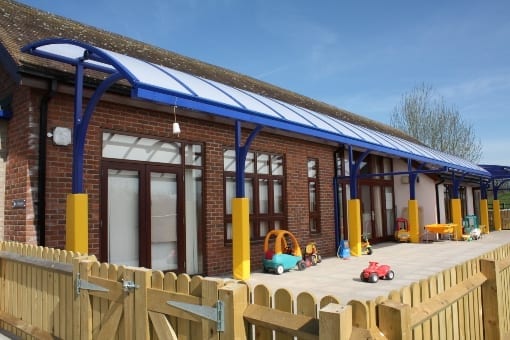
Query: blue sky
(361,56)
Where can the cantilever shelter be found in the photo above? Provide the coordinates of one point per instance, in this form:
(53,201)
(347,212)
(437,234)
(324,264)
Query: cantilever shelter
(147,158)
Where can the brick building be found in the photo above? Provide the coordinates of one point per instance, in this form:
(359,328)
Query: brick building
(162,199)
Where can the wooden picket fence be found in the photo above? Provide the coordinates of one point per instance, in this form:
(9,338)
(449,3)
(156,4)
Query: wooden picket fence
(53,294)
(469,301)
(505,219)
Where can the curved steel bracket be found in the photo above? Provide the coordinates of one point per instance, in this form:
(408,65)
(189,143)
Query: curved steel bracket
(241,152)
(82,120)
(354,166)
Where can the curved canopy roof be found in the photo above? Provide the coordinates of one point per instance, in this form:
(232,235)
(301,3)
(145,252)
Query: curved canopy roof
(169,86)
(497,171)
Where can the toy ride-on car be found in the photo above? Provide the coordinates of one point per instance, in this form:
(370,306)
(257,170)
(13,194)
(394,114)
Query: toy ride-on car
(285,253)
(376,271)
(366,247)
(402,230)
(311,256)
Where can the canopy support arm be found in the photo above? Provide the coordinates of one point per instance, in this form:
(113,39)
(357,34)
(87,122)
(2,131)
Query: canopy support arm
(496,187)
(413,176)
(457,180)
(82,120)
(354,166)
(241,152)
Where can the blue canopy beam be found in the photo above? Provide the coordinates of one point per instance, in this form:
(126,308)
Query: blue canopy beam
(162,84)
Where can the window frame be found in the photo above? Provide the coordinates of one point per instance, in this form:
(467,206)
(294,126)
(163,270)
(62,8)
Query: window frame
(274,220)
(313,215)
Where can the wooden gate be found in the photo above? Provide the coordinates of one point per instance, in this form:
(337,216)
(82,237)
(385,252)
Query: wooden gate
(118,302)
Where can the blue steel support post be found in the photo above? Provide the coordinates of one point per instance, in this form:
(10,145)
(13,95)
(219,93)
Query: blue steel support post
(494,190)
(240,209)
(353,176)
(240,160)
(354,204)
(457,207)
(337,221)
(413,210)
(77,177)
(77,201)
(456,186)
(412,181)
(496,207)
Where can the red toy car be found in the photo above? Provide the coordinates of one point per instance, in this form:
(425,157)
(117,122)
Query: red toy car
(376,271)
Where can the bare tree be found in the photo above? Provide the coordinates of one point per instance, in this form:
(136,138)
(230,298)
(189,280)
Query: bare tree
(425,116)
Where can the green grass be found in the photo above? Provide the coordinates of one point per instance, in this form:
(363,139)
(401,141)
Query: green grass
(504,199)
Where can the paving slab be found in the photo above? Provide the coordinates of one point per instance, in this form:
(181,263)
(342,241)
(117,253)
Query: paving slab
(411,262)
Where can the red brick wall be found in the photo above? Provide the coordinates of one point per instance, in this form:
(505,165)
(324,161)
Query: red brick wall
(135,121)
(58,176)
(21,168)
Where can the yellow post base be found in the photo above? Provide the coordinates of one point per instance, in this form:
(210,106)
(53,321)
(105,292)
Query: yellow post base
(241,238)
(484,215)
(354,226)
(414,221)
(497,215)
(457,218)
(77,224)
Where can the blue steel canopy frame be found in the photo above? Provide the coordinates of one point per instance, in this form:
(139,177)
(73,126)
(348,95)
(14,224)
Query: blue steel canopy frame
(457,178)
(500,175)
(306,122)
(167,86)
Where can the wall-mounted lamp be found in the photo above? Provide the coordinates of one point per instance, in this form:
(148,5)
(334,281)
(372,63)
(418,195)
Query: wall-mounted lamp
(176,129)
(61,136)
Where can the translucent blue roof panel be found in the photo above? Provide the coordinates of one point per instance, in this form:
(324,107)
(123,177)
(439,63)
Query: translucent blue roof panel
(500,172)
(162,84)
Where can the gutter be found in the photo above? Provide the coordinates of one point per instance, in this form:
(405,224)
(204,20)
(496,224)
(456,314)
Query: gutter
(41,192)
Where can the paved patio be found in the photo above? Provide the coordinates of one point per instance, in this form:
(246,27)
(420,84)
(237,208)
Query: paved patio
(410,262)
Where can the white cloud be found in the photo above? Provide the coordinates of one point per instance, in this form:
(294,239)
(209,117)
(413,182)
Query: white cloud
(480,86)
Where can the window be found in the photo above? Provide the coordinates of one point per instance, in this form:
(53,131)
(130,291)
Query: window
(313,196)
(264,187)
(152,213)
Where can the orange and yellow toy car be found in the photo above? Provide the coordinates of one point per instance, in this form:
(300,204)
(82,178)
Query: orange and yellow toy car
(282,252)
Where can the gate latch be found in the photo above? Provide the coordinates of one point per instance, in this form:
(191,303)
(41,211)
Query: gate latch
(216,314)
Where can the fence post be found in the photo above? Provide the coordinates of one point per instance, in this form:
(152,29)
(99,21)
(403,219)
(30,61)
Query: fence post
(141,313)
(491,307)
(83,310)
(210,291)
(395,320)
(235,300)
(335,322)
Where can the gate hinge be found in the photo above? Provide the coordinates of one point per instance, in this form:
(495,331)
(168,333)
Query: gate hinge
(216,314)
(127,285)
(82,284)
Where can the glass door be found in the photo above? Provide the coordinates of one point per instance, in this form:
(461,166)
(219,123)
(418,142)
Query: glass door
(123,216)
(377,214)
(164,228)
(367,212)
(141,224)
